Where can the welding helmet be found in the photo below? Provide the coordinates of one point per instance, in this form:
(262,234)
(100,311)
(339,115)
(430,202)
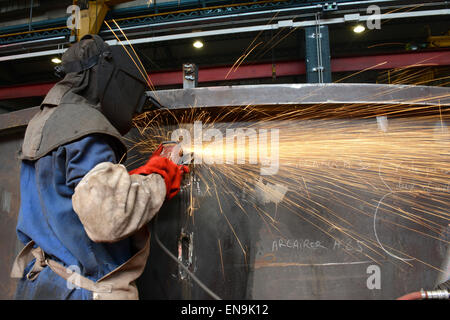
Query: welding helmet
(108,77)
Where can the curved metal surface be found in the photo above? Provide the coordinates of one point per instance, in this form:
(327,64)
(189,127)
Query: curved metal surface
(282,94)
(298,94)
(323,265)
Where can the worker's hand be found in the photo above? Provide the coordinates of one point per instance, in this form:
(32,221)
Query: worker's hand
(171,172)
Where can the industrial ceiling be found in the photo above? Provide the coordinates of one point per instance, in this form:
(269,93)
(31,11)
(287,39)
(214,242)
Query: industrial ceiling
(162,32)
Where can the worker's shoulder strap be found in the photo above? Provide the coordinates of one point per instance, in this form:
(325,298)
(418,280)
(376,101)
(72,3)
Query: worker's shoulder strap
(116,285)
(72,119)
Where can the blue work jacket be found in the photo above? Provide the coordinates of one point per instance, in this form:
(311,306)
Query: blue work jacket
(47,217)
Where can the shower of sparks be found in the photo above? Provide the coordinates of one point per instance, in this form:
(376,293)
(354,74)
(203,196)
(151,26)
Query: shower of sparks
(425,75)
(330,156)
(241,59)
(388,163)
(221,259)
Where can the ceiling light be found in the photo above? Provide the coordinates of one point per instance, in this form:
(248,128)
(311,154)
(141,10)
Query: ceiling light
(56,60)
(359,28)
(198,44)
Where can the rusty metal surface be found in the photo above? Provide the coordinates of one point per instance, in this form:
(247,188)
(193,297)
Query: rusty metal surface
(302,94)
(9,208)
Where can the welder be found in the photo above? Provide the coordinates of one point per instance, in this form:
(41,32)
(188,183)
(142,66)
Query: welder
(83,218)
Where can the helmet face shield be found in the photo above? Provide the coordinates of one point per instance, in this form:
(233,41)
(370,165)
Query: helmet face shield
(111,79)
(121,87)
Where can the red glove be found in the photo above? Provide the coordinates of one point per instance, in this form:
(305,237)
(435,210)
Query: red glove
(171,172)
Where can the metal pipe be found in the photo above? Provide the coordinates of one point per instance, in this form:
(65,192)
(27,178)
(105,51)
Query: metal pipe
(239,30)
(437,294)
(276,26)
(238,15)
(195,19)
(25,43)
(422,294)
(33,54)
(31,15)
(318,6)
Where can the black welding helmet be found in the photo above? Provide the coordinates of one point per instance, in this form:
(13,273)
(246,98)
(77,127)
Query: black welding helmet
(110,79)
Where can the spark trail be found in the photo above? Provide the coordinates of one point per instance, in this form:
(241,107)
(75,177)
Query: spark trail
(329,160)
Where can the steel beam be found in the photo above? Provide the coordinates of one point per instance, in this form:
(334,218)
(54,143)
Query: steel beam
(297,24)
(318,59)
(25,91)
(302,94)
(283,94)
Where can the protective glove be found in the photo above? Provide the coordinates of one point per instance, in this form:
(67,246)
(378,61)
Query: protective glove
(171,172)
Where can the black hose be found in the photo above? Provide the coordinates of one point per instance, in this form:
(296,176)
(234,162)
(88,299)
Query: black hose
(443,286)
(167,251)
